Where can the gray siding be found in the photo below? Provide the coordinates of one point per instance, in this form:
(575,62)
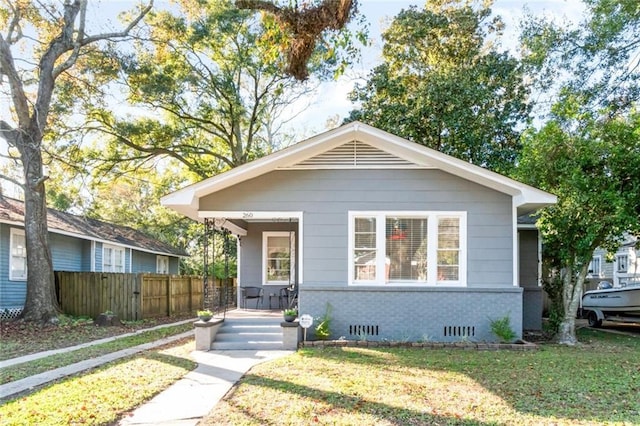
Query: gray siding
(326,196)
(251,251)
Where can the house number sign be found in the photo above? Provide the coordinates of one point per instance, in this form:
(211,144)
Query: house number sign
(305,321)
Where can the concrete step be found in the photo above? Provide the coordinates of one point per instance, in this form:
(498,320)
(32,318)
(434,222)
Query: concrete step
(244,346)
(246,337)
(249,334)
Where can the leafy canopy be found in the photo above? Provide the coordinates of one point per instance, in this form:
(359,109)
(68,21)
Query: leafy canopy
(445,84)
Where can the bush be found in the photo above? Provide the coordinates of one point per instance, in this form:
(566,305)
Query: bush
(501,327)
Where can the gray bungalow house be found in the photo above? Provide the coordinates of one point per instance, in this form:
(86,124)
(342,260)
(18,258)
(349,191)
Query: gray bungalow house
(77,244)
(402,241)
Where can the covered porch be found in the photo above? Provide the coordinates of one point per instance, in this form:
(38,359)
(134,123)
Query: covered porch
(269,256)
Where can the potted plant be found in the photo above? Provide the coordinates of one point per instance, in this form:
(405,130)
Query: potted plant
(205,315)
(290,315)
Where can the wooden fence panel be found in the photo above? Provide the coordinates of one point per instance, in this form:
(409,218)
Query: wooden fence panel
(130,296)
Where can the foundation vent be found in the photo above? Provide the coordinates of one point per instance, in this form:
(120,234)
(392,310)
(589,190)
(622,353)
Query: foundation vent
(459,331)
(363,330)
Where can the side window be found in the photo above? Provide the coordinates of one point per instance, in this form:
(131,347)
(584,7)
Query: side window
(112,259)
(18,256)
(595,266)
(162,264)
(623,263)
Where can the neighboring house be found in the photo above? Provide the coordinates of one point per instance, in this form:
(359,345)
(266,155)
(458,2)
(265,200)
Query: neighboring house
(402,241)
(77,244)
(623,270)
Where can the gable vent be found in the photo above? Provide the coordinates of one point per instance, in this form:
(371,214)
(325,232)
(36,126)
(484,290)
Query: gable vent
(354,154)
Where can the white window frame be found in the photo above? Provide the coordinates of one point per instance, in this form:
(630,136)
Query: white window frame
(620,263)
(432,250)
(265,242)
(162,264)
(595,260)
(15,233)
(112,259)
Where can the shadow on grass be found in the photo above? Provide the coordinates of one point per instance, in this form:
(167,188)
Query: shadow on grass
(353,404)
(598,381)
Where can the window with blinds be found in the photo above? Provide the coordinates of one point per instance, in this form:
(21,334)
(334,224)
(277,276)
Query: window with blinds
(421,248)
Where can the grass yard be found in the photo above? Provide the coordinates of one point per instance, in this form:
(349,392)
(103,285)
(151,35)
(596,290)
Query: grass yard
(21,338)
(594,384)
(104,395)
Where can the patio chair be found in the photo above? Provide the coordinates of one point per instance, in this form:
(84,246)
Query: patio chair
(288,298)
(252,293)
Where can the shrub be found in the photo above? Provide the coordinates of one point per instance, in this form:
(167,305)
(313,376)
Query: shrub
(501,327)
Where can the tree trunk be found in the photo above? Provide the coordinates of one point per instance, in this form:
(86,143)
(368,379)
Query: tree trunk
(571,297)
(41,304)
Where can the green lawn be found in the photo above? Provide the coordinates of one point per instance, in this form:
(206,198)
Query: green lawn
(593,384)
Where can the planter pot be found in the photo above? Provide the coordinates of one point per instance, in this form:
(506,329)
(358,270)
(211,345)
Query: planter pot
(289,318)
(205,318)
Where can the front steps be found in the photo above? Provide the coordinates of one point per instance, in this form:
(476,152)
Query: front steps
(249,333)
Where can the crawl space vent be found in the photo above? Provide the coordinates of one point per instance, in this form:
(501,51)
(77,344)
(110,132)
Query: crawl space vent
(459,331)
(363,330)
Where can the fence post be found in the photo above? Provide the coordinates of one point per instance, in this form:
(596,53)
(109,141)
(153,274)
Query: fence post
(170,294)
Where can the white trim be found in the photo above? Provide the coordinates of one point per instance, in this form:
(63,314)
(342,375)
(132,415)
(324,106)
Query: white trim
(13,232)
(263,216)
(599,273)
(525,197)
(432,250)
(164,259)
(238,270)
(265,240)
(92,268)
(516,246)
(114,249)
(539,237)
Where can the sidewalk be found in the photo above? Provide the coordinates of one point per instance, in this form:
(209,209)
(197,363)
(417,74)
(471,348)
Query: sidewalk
(190,399)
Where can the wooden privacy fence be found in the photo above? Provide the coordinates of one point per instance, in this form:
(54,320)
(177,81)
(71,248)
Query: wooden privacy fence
(129,296)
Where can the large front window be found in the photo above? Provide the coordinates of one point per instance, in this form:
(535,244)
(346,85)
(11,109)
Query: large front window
(277,250)
(422,248)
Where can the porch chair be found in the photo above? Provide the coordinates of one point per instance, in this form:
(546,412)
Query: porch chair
(252,293)
(288,298)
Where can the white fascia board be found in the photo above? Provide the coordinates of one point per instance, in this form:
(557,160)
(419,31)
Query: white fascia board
(523,194)
(410,151)
(248,215)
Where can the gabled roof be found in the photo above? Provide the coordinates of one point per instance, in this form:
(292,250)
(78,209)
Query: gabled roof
(12,212)
(357,145)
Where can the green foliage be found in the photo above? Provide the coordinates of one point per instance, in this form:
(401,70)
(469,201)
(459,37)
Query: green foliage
(553,287)
(291,312)
(501,328)
(323,329)
(593,59)
(443,83)
(592,162)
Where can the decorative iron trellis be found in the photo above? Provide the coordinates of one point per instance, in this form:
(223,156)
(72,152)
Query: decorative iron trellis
(216,298)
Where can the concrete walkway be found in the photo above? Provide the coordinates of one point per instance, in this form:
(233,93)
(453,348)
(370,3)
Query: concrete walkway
(190,399)
(183,403)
